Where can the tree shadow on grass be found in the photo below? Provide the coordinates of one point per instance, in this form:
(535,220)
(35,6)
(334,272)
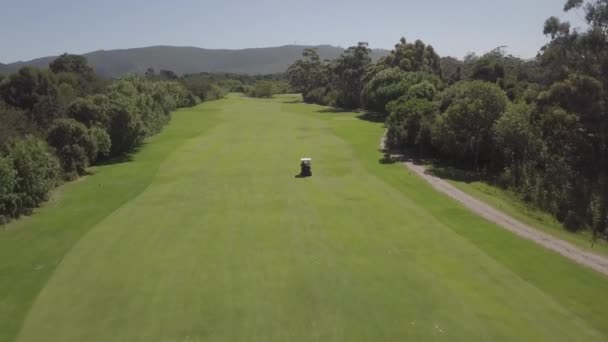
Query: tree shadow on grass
(123,158)
(387,161)
(372,117)
(457,174)
(332,110)
(390,158)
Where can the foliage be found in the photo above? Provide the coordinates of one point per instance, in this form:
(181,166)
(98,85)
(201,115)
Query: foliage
(83,120)
(90,111)
(413,57)
(463,131)
(67,63)
(452,70)
(34,91)
(390,84)
(14,124)
(517,138)
(307,73)
(37,171)
(8,181)
(74,145)
(410,123)
(267,88)
(348,72)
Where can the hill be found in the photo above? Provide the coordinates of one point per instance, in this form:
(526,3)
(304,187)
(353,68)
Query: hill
(183,60)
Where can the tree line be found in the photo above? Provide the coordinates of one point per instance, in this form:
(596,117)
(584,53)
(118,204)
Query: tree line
(210,86)
(56,122)
(538,127)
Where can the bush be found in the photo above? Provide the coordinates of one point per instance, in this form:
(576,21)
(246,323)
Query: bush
(8,181)
(316,95)
(96,126)
(37,171)
(410,123)
(262,89)
(390,84)
(322,96)
(86,111)
(35,91)
(127,130)
(463,131)
(423,90)
(139,108)
(75,147)
(102,141)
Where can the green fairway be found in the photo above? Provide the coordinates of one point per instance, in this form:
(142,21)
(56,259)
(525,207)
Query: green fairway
(208,236)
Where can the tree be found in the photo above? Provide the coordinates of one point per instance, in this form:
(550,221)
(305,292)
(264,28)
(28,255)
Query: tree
(37,171)
(127,130)
(67,63)
(102,141)
(390,84)
(34,91)
(464,129)
(349,70)
(516,137)
(451,70)
(86,111)
(150,73)
(410,123)
(14,124)
(414,57)
(308,74)
(386,86)
(8,181)
(576,69)
(74,145)
(264,89)
(167,75)
(488,68)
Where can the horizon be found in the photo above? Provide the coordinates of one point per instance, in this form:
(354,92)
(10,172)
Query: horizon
(50,27)
(186,46)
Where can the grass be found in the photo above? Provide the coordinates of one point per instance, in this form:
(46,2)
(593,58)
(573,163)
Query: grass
(208,236)
(511,204)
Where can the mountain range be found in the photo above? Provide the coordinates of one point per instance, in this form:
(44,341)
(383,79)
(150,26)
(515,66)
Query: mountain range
(187,60)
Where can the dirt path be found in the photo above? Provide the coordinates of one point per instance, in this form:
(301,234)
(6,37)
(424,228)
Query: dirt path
(570,251)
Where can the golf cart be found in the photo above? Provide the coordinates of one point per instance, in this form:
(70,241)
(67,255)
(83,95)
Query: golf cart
(306,168)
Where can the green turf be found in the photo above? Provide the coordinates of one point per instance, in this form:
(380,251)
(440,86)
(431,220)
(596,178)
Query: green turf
(207,236)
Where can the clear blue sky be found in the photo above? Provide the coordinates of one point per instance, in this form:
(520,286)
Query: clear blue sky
(36,28)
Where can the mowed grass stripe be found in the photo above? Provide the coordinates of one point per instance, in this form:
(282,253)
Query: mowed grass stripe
(225,244)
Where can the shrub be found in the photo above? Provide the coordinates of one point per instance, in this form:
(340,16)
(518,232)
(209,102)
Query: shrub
(102,141)
(410,123)
(390,84)
(86,111)
(8,181)
(37,171)
(262,89)
(75,146)
(464,129)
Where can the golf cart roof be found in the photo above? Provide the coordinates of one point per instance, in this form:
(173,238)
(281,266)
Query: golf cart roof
(306,159)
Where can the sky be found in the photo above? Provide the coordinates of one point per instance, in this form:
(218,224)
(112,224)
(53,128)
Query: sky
(37,28)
